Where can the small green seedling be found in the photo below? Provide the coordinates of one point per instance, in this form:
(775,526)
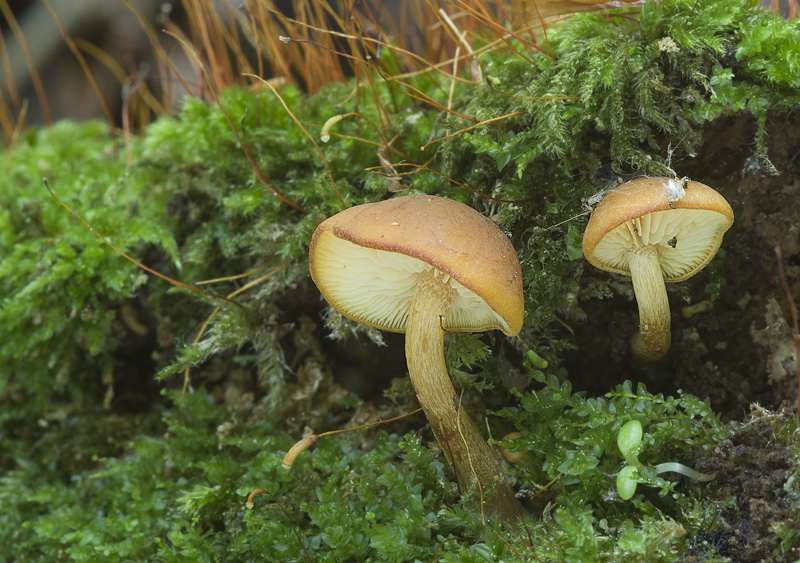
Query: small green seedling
(627,479)
(629,441)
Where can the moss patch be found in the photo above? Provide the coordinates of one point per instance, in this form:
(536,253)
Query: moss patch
(100,462)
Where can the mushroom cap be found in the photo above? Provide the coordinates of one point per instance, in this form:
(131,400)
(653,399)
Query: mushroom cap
(366,260)
(685,222)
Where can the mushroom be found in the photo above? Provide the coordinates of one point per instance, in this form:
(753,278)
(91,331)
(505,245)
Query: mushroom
(426,265)
(656,230)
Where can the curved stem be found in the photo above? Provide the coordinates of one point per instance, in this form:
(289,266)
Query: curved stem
(675,467)
(653,339)
(465,448)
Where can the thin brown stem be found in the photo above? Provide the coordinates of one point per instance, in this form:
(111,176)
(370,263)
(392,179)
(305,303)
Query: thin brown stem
(133,260)
(30,62)
(304,130)
(82,62)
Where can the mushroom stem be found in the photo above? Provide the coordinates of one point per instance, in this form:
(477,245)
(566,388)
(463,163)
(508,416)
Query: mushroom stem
(653,339)
(465,448)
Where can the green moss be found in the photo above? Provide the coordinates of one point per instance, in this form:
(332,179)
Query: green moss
(154,478)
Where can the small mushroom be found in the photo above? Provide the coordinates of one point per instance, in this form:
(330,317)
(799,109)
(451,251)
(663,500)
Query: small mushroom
(656,230)
(426,265)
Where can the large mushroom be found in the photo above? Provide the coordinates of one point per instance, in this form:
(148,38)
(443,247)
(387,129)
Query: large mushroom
(656,230)
(426,265)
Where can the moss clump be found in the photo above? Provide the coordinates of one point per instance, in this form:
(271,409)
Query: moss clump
(153,478)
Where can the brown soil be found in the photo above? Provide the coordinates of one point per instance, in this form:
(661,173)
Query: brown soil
(753,467)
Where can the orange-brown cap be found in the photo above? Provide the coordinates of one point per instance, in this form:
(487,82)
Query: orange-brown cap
(366,261)
(684,220)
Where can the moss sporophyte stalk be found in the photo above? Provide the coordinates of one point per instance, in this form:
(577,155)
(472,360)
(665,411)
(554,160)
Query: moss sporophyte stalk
(163,476)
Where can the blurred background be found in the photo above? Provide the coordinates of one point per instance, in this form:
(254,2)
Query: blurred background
(109,33)
(109,25)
